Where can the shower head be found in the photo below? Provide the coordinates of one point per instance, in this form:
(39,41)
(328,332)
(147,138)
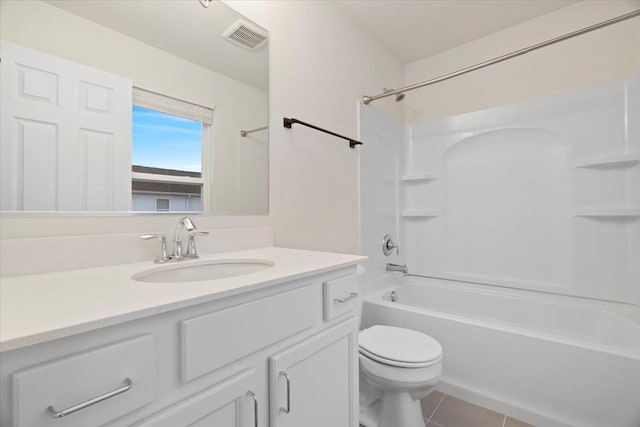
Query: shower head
(399,96)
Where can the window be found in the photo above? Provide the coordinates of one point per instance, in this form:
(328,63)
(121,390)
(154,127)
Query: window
(162,205)
(169,138)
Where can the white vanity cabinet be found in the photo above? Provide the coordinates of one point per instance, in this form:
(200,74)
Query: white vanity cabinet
(313,383)
(266,357)
(215,339)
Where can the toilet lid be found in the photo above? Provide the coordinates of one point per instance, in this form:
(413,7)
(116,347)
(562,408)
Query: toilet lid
(399,346)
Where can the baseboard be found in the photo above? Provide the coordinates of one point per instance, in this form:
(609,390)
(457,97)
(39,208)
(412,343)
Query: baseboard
(498,405)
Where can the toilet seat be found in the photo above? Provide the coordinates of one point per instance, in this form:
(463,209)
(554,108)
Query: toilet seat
(399,347)
(398,363)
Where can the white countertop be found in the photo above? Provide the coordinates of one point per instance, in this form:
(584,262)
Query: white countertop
(44,307)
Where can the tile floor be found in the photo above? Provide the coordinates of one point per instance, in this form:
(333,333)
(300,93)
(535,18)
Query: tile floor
(442,410)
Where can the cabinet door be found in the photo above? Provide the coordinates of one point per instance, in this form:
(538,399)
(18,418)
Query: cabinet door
(231,403)
(314,383)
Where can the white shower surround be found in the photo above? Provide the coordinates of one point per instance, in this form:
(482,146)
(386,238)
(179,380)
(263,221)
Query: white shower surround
(542,194)
(547,360)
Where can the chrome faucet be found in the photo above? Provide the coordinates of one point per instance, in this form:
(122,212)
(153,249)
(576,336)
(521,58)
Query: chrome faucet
(397,267)
(191,244)
(164,255)
(186,224)
(182,225)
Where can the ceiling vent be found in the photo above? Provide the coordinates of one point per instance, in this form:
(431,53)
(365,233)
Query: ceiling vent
(246,35)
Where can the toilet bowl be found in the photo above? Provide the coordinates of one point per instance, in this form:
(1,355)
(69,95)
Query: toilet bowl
(398,367)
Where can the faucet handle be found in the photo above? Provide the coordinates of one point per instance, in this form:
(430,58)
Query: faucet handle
(388,245)
(164,257)
(150,236)
(198,233)
(192,252)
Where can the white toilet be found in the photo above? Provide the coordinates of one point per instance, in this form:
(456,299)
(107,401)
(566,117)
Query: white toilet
(398,367)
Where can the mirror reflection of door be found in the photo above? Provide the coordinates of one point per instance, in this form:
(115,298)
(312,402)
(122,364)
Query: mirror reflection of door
(113,50)
(65,135)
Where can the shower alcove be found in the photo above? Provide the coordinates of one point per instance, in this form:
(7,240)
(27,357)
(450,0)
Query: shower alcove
(525,220)
(542,194)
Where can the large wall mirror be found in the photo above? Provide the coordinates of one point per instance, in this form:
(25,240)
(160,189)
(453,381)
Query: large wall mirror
(132,106)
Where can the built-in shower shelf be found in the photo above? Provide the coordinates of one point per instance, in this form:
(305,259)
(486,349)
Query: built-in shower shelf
(608,212)
(619,161)
(420,213)
(413,177)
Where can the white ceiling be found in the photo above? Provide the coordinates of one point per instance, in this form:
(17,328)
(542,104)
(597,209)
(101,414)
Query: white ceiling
(415,29)
(411,29)
(182,28)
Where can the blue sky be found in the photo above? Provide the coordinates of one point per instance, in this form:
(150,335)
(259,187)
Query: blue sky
(165,141)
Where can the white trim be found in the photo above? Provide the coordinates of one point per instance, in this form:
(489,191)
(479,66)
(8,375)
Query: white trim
(167,193)
(176,107)
(206,165)
(139,176)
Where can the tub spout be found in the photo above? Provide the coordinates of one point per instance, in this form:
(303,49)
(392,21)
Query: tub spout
(397,267)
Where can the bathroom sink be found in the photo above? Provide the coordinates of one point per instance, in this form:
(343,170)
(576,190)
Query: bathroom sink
(191,271)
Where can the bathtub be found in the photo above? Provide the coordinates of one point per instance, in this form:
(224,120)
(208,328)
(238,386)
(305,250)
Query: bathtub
(546,359)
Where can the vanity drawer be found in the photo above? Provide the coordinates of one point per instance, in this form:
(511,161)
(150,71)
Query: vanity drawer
(119,378)
(214,340)
(340,296)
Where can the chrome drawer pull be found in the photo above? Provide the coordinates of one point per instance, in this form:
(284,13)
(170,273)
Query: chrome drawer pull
(288,408)
(255,407)
(351,296)
(59,414)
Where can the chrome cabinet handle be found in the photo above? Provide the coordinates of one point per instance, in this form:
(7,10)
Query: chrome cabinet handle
(288,408)
(59,414)
(255,407)
(351,296)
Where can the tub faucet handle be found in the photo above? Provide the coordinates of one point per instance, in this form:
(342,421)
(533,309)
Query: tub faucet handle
(388,245)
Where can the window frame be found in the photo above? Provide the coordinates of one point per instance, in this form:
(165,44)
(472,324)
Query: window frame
(169,105)
(168,199)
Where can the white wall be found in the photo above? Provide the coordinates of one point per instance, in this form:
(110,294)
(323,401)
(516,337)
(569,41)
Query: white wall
(321,66)
(611,53)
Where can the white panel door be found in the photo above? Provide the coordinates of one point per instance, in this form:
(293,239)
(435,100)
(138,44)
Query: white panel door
(314,384)
(65,141)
